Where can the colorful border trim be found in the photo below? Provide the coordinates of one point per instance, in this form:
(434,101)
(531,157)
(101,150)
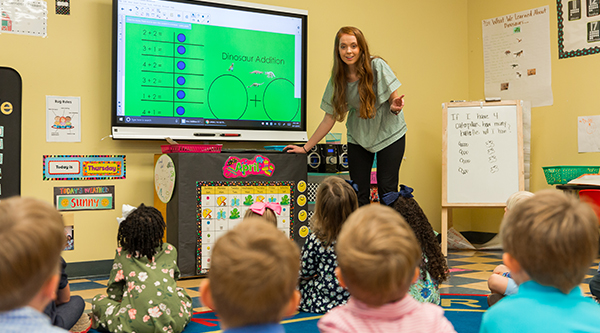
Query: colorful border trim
(199,184)
(116,162)
(561,38)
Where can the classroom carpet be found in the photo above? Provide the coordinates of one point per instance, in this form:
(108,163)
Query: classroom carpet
(463,311)
(469,271)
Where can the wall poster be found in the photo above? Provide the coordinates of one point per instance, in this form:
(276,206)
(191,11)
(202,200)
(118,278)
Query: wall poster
(516,56)
(578,27)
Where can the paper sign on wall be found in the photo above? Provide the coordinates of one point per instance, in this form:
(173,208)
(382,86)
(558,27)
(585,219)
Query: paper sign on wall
(24,17)
(63,119)
(588,134)
(84,198)
(85,167)
(516,56)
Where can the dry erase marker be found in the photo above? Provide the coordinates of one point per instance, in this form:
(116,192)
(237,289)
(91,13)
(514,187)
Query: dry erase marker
(230,134)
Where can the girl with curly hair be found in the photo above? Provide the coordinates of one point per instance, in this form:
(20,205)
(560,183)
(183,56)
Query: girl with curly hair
(142,290)
(433,268)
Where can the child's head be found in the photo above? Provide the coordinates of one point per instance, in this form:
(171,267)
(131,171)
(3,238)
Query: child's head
(31,239)
(253,275)
(264,210)
(553,237)
(141,233)
(378,255)
(517,197)
(412,213)
(336,200)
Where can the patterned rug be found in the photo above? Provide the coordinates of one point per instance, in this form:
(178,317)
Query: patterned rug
(464,311)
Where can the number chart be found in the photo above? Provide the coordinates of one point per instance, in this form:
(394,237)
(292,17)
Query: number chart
(223,204)
(192,71)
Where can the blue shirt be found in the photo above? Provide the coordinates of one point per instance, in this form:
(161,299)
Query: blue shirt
(263,328)
(537,308)
(26,319)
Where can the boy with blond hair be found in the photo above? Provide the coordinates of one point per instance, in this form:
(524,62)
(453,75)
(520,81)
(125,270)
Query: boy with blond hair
(31,239)
(378,260)
(252,279)
(550,241)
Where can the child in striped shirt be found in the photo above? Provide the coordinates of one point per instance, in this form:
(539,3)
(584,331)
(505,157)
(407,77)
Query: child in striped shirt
(378,259)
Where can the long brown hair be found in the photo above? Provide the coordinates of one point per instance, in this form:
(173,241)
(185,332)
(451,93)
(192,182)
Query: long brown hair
(364,73)
(336,200)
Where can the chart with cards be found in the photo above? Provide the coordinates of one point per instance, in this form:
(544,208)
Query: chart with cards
(223,204)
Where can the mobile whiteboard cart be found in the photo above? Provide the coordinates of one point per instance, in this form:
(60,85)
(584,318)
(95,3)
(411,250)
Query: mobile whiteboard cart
(483,159)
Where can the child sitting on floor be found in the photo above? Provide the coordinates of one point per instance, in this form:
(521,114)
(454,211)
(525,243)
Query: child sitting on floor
(550,241)
(252,279)
(433,269)
(142,290)
(501,283)
(379,259)
(320,291)
(67,310)
(265,210)
(31,239)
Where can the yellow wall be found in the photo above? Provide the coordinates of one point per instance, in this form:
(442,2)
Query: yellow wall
(554,128)
(427,46)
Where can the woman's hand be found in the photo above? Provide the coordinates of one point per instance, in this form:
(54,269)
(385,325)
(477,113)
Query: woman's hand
(397,104)
(294,149)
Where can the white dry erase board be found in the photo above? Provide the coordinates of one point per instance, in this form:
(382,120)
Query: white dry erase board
(482,153)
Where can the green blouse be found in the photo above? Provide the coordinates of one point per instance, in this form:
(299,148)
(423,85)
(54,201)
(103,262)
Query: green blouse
(382,130)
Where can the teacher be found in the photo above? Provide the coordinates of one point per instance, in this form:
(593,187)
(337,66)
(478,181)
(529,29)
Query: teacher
(363,88)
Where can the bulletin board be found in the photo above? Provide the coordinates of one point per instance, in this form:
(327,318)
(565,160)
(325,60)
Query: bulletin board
(260,175)
(10,132)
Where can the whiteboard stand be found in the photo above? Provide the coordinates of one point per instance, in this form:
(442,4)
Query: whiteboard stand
(482,156)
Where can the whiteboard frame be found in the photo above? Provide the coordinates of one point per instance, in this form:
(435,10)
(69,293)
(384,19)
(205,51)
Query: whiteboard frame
(521,167)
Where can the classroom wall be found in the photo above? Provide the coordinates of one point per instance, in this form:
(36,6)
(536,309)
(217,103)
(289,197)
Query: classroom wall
(427,47)
(554,128)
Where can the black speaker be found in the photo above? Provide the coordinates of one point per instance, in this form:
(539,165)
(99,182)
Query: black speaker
(330,157)
(343,158)
(313,159)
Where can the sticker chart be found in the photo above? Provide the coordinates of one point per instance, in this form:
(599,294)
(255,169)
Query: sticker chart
(222,206)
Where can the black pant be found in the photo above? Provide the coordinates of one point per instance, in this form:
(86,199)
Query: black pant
(389,159)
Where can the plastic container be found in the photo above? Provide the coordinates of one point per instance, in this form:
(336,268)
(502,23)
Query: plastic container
(562,174)
(191,148)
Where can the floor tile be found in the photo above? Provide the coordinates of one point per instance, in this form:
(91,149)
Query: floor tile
(478,267)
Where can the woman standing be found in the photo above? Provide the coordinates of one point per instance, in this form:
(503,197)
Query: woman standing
(363,88)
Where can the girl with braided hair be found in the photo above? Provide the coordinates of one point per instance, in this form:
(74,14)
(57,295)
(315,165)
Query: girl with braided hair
(142,290)
(433,268)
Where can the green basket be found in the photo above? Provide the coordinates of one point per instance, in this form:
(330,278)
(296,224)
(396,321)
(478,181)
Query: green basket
(562,174)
